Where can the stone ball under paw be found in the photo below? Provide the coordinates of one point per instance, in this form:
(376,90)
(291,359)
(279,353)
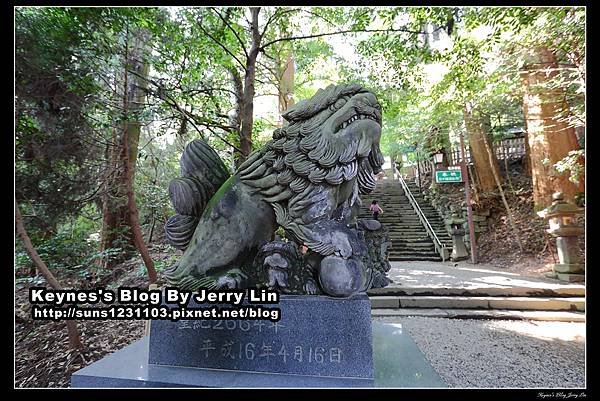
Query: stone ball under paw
(341,277)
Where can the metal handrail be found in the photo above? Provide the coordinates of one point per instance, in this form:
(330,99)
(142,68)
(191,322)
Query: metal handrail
(439,247)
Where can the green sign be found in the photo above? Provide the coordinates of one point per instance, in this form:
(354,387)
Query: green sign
(448,176)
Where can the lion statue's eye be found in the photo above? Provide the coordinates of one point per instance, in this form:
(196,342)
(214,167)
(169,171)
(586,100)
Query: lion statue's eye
(339,103)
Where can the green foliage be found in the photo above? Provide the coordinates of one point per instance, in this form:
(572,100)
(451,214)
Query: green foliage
(67,63)
(425,84)
(52,90)
(73,247)
(572,164)
(157,165)
(67,104)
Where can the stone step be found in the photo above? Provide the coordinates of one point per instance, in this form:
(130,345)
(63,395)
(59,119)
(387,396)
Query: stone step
(394,221)
(403,250)
(408,217)
(400,251)
(550,316)
(404,228)
(417,223)
(394,258)
(409,239)
(406,212)
(482,291)
(399,217)
(416,246)
(408,236)
(427,247)
(407,230)
(396,216)
(412,254)
(425,210)
(414,227)
(400,228)
(462,302)
(411,232)
(399,224)
(412,213)
(415,232)
(409,245)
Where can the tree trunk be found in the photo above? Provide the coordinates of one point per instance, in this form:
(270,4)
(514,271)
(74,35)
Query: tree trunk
(73,333)
(135,88)
(286,84)
(479,142)
(235,117)
(115,233)
(509,214)
(247,102)
(527,157)
(116,210)
(549,137)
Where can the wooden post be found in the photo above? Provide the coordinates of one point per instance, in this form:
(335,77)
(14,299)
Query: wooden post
(468,199)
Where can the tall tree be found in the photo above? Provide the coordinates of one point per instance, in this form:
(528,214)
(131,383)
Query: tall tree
(247,101)
(484,159)
(550,137)
(58,146)
(240,38)
(120,228)
(546,47)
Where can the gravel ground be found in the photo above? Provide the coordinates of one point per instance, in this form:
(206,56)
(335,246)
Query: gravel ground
(501,353)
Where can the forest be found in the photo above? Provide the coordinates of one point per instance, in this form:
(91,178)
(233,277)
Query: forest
(106,99)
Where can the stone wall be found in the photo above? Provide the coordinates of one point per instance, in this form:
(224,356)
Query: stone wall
(447,198)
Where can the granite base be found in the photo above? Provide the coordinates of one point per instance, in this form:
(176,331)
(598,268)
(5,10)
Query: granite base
(397,360)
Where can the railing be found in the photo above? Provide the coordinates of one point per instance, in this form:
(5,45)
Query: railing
(439,247)
(513,148)
(424,169)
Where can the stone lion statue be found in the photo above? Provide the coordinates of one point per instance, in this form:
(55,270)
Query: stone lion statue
(307,180)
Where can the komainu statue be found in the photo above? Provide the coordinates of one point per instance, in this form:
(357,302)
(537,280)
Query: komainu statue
(307,180)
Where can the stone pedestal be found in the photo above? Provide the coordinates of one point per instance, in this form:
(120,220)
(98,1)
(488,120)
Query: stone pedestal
(565,229)
(459,250)
(398,362)
(570,267)
(571,278)
(319,341)
(316,336)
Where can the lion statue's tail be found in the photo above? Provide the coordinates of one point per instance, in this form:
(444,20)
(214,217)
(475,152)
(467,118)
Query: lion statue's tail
(202,174)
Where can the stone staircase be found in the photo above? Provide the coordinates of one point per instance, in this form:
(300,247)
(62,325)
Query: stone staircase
(439,290)
(409,238)
(565,303)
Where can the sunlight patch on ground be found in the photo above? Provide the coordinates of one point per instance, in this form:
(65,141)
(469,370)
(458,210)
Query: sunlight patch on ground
(513,282)
(543,330)
(484,271)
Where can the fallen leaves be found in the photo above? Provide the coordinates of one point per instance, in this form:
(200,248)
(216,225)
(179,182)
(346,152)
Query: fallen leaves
(42,354)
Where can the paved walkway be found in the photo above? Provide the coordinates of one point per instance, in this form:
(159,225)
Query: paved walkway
(472,352)
(500,353)
(460,277)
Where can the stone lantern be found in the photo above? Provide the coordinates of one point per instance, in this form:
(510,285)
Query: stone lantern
(459,250)
(438,159)
(560,216)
